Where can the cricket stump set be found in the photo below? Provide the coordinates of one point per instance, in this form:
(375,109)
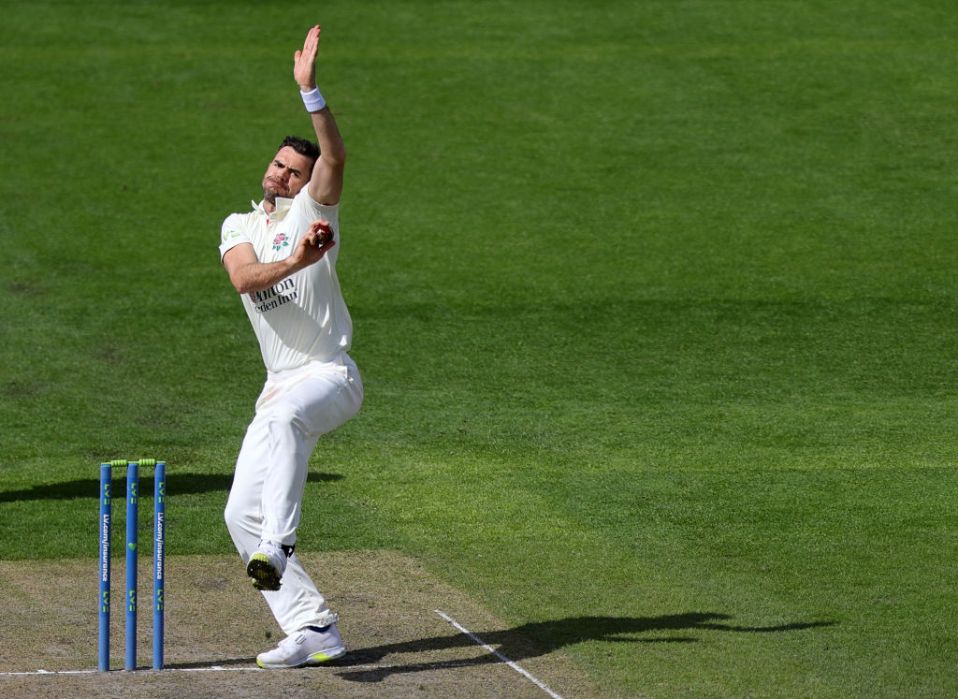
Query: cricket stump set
(159,558)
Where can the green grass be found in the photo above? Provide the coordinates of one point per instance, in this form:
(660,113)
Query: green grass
(654,301)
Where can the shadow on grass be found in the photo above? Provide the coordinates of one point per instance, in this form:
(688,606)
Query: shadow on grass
(177,484)
(517,644)
(529,641)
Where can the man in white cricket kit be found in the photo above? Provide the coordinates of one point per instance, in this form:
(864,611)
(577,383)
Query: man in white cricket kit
(281,257)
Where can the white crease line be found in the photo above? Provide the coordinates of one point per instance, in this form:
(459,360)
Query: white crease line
(148,671)
(213,668)
(515,666)
(47,672)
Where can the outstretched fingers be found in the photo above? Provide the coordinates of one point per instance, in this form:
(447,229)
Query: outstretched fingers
(311,45)
(304,60)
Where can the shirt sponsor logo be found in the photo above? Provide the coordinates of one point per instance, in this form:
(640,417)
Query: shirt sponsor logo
(274,297)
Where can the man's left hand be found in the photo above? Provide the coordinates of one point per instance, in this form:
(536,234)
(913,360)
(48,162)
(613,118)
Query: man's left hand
(304,60)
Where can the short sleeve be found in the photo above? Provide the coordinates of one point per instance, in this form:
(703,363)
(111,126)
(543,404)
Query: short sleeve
(304,211)
(233,233)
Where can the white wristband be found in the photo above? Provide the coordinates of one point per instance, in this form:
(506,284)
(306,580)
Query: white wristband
(313,100)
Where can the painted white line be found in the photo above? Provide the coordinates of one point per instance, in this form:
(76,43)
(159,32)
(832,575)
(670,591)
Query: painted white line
(47,672)
(515,666)
(148,671)
(213,668)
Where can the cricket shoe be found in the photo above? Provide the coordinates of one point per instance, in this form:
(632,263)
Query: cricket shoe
(266,566)
(308,646)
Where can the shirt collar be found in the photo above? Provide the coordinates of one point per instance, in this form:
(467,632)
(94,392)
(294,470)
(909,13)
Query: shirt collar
(279,213)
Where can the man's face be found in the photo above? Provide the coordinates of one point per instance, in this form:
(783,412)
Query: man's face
(286,175)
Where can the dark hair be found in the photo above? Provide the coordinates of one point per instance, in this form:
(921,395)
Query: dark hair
(301,146)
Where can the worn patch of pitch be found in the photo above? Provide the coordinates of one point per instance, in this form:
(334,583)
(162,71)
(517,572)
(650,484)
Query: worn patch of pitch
(398,644)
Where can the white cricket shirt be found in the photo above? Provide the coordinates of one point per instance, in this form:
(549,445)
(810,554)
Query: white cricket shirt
(303,318)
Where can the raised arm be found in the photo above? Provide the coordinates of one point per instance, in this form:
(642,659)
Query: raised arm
(326,184)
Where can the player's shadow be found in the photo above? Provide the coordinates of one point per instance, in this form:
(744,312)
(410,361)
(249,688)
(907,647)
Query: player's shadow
(540,638)
(177,484)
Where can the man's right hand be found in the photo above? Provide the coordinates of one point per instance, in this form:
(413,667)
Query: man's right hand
(313,246)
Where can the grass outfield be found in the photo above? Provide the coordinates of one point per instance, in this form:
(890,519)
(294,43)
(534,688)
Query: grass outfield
(654,301)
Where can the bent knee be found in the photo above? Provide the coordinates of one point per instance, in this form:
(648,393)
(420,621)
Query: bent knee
(237,517)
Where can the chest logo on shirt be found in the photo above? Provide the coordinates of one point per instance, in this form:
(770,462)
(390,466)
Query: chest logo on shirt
(280,241)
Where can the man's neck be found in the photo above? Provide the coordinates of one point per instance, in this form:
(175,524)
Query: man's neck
(268,206)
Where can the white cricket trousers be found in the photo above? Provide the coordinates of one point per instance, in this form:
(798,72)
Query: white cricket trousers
(294,410)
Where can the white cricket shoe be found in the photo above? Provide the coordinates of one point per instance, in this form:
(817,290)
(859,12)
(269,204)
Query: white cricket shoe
(307,646)
(267,566)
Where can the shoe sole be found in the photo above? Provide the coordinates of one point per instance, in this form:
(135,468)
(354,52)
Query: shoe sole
(264,575)
(310,660)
